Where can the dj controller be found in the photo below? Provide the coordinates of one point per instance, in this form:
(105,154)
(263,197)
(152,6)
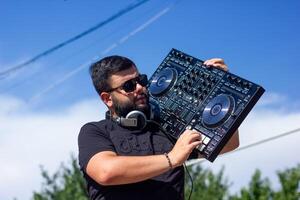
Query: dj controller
(191,95)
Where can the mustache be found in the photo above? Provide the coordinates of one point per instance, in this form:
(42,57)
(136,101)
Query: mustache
(143,95)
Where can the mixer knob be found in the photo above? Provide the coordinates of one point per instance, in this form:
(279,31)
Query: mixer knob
(232,78)
(246,84)
(199,88)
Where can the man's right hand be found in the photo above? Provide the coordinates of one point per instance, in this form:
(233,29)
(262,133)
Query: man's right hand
(185,144)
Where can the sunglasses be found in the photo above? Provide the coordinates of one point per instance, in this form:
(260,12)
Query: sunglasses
(130,85)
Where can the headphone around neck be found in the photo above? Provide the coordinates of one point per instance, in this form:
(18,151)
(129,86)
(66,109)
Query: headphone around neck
(136,118)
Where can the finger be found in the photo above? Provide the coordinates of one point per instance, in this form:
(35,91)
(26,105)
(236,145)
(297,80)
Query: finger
(193,145)
(194,137)
(214,60)
(218,63)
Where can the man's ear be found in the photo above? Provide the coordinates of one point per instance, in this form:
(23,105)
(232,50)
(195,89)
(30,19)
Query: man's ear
(106,98)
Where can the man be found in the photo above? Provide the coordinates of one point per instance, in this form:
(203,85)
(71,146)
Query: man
(120,162)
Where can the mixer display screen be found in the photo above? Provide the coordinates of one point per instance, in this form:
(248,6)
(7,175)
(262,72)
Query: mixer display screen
(191,95)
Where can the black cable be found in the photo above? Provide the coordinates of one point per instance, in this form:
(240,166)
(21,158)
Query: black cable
(191,179)
(130,7)
(173,140)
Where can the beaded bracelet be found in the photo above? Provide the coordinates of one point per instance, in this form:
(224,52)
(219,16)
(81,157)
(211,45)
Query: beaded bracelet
(169,161)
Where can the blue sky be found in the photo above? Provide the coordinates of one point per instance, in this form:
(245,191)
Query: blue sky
(259,40)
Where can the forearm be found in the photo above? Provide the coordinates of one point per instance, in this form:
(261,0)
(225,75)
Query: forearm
(125,169)
(232,144)
(108,168)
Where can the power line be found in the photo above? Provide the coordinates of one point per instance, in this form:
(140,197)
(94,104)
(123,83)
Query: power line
(104,52)
(130,7)
(95,42)
(197,161)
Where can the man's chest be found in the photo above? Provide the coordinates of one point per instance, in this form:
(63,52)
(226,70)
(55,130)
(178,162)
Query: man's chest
(140,144)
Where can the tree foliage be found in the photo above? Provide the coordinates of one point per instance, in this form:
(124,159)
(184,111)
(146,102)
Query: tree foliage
(68,184)
(65,184)
(206,184)
(260,189)
(290,184)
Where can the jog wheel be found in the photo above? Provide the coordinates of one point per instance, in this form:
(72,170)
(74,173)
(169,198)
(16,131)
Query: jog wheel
(162,82)
(217,110)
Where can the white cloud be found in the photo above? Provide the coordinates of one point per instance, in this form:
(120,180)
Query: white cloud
(271,98)
(29,139)
(9,105)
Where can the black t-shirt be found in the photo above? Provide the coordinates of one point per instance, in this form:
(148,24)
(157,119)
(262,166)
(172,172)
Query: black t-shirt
(107,135)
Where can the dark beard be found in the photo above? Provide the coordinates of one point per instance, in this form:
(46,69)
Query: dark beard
(122,109)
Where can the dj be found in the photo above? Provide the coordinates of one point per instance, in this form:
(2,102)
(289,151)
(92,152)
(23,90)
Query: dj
(120,162)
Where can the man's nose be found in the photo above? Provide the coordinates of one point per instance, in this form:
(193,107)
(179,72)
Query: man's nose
(139,87)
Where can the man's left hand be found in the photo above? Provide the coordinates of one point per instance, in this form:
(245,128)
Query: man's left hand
(216,62)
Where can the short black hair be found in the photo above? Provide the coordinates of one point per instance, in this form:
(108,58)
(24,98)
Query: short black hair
(101,71)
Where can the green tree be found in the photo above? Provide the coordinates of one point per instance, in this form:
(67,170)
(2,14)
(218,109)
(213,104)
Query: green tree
(206,184)
(66,184)
(258,189)
(290,184)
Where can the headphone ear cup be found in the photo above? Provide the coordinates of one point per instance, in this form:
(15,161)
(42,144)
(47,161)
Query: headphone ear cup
(140,118)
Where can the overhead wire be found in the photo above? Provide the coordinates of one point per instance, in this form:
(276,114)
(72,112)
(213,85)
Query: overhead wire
(65,59)
(87,63)
(104,52)
(123,11)
(198,161)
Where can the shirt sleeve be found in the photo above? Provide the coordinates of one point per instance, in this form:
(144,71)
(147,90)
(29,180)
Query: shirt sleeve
(92,139)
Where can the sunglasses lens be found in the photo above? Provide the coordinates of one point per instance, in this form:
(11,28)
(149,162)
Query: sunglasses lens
(129,86)
(143,80)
